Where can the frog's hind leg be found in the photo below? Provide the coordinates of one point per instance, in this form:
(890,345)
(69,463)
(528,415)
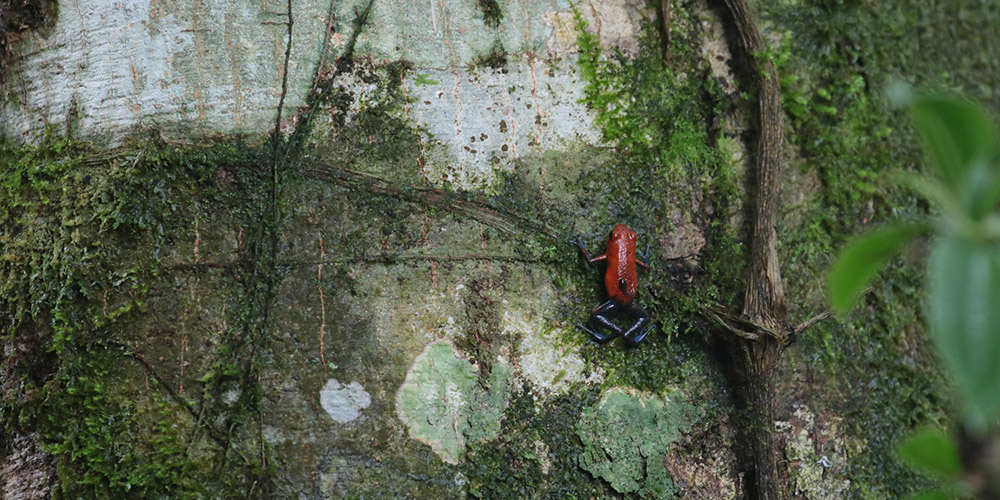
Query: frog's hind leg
(642,326)
(598,319)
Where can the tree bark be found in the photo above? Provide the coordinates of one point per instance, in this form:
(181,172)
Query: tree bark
(764,306)
(765,295)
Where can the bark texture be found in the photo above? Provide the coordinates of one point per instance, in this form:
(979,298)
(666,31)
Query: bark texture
(764,306)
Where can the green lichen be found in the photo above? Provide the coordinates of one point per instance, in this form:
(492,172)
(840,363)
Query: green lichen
(626,435)
(443,405)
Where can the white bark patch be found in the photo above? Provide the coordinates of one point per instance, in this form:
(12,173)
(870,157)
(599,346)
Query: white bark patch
(186,69)
(485,120)
(344,402)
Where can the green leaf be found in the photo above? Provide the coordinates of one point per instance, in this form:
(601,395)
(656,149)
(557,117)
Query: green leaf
(931,451)
(964,315)
(932,190)
(984,188)
(862,258)
(957,135)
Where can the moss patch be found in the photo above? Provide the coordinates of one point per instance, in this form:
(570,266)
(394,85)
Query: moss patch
(82,237)
(492,12)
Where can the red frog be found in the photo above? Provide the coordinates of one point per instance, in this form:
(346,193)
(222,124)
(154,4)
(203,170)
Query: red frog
(621,283)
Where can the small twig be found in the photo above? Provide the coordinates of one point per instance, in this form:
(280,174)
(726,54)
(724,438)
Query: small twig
(726,321)
(805,325)
(809,323)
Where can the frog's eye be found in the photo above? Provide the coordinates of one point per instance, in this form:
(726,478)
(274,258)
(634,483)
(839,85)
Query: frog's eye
(611,235)
(631,236)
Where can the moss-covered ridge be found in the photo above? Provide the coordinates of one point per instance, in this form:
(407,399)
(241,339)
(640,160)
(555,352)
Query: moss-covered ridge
(82,238)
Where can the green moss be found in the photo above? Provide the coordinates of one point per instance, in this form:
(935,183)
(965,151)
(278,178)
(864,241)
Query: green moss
(492,12)
(625,438)
(81,236)
(835,60)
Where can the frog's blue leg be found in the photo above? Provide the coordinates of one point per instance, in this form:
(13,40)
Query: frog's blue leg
(599,319)
(638,331)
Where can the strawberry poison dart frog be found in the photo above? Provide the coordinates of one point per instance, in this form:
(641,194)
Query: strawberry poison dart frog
(620,283)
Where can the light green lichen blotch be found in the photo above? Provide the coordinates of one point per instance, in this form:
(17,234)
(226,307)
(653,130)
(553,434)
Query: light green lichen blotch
(627,435)
(443,405)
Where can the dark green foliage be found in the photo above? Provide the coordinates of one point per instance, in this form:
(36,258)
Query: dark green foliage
(836,59)
(492,12)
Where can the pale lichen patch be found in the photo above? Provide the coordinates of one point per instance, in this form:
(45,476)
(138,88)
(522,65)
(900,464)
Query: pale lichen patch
(344,402)
(816,454)
(443,405)
(542,454)
(626,438)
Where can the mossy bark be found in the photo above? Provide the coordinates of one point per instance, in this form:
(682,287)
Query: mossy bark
(425,192)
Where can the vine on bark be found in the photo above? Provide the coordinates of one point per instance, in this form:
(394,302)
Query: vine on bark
(762,331)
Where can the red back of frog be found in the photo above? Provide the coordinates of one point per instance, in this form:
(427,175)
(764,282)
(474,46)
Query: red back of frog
(620,278)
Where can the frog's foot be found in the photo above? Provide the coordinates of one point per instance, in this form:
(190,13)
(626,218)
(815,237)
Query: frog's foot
(600,321)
